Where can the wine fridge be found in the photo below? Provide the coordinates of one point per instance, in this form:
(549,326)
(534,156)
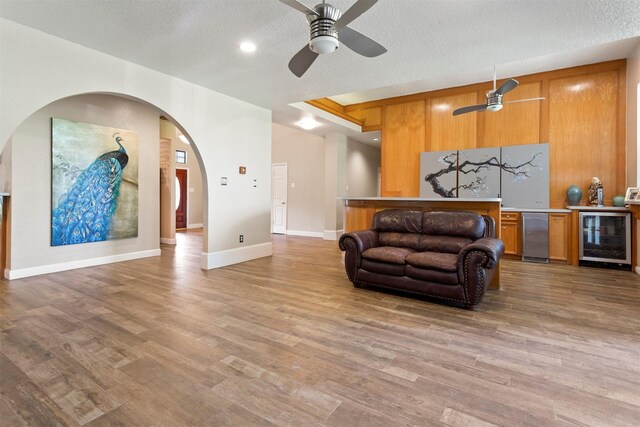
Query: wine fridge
(605,239)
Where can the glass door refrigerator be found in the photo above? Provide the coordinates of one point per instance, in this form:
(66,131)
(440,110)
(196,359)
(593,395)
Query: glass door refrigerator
(605,239)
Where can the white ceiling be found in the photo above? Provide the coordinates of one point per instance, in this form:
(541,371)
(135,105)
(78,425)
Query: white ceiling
(432,43)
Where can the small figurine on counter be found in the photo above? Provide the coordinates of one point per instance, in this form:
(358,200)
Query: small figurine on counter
(593,191)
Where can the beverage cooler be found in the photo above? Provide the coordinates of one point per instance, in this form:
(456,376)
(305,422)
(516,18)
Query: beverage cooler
(605,239)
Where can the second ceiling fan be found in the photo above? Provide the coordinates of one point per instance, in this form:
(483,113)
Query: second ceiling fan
(328,27)
(494,98)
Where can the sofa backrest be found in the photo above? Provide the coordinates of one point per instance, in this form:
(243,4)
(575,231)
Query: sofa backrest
(398,221)
(400,228)
(453,223)
(429,231)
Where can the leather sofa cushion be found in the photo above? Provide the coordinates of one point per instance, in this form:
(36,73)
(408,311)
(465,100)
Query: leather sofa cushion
(383,268)
(388,254)
(457,224)
(448,244)
(401,240)
(449,277)
(433,260)
(398,220)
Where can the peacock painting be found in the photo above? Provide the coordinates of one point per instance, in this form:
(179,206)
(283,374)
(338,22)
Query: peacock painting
(94,183)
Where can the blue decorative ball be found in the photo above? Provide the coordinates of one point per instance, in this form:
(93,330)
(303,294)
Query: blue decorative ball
(618,201)
(574,194)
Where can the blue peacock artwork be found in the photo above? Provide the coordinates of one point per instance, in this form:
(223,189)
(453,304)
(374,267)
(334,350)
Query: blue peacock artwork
(86,211)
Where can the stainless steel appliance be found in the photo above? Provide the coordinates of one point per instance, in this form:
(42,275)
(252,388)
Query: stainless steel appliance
(535,237)
(605,239)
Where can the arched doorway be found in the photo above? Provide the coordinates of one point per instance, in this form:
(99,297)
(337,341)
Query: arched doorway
(33,249)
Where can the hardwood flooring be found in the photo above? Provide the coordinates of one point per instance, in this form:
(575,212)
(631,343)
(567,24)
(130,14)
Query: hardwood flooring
(286,340)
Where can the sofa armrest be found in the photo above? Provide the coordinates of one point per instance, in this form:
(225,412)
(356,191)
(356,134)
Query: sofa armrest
(491,247)
(476,263)
(353,244)
(364,240)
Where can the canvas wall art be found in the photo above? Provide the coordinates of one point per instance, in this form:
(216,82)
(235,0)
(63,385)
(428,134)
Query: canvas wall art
(525,176)
(479,173)
(438,170)
(94,183)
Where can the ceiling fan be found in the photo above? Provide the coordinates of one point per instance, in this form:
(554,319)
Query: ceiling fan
(494,98)
(328,27)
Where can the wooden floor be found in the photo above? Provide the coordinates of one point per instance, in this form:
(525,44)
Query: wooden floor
(286,340)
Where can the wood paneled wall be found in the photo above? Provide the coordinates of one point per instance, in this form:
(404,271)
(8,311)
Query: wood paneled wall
(582,118)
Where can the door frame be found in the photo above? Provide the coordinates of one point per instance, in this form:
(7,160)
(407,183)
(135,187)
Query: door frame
(286,187)
(188,198)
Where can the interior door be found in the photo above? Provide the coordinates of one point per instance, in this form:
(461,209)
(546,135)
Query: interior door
(181,198)
(279,198)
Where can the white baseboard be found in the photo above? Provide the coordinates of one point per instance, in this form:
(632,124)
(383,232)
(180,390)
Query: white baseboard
(234,256)
(167,241)
(72,265)
(305,233)
(332,234)
(638,269)
(194,225)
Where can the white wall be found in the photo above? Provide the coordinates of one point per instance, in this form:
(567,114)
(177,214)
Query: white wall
(31,250)
(363,162)
(5,168)
(304,154)
(335,187)
(38,69)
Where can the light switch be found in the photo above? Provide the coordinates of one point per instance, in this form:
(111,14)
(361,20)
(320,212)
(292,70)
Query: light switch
(223,180)
(192,190)
(293,185)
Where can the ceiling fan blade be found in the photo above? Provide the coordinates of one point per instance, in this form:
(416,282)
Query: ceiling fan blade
(469,109)
(299,6)
(302,60)
(359,7)
(523,100)
(506,87)
(359,43)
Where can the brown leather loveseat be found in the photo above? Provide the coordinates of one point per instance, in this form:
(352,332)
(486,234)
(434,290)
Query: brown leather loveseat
(446,255)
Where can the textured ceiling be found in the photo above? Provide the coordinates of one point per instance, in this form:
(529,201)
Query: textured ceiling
(428,40)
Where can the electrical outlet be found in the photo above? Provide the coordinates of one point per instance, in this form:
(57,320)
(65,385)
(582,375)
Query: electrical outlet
(242,238)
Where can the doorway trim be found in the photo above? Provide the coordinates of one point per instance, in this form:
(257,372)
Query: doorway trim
(184,168)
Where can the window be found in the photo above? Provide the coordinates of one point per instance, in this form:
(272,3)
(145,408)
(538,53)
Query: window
(181,156)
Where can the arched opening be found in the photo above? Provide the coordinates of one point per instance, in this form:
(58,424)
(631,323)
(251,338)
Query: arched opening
(181,192)
(36,169)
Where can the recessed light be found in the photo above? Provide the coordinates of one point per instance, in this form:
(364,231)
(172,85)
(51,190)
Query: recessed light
(247,47)
(308,123)
(376,139)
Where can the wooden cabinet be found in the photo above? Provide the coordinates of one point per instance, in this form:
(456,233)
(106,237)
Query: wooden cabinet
(510,233)
(559,237)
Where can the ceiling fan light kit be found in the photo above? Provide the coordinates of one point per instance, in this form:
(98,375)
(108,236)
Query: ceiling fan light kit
(324,44)
(327,28)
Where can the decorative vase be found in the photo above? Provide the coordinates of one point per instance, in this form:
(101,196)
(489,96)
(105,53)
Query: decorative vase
(574,194)
(618,201)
